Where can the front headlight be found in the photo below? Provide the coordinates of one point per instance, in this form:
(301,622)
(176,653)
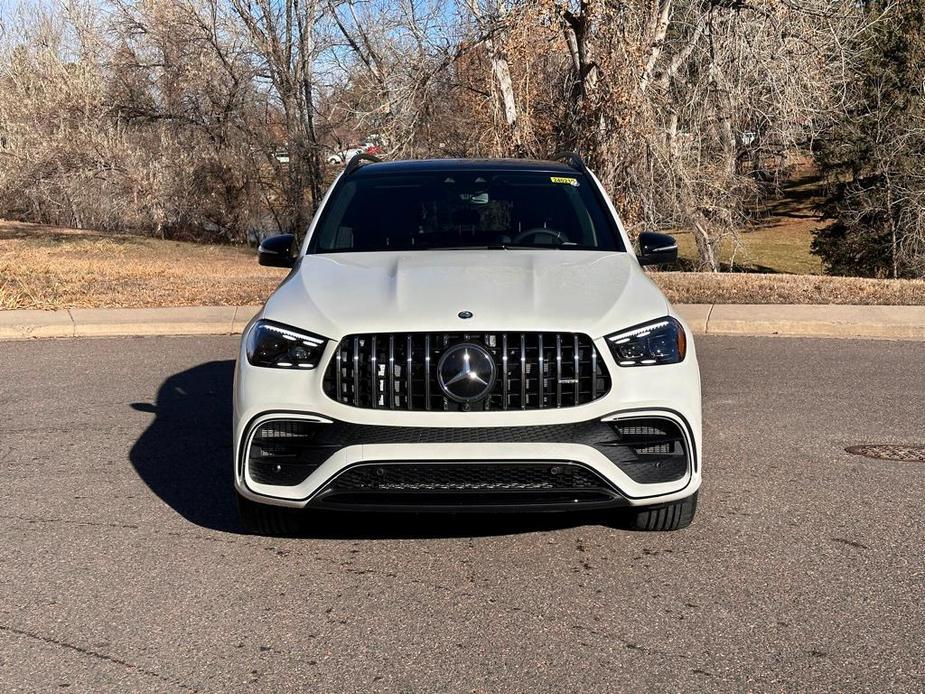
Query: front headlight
(659,342)
(281,347)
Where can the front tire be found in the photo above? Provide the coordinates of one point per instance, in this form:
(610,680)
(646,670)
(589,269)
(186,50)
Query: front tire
(673,516)
(263,519)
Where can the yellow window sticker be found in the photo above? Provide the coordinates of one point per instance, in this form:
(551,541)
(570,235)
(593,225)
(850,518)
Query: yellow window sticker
(564,179)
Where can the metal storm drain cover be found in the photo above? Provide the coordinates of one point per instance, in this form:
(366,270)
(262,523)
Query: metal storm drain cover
(909,454)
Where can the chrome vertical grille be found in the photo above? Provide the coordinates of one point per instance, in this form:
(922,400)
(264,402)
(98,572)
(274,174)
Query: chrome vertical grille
(534,371)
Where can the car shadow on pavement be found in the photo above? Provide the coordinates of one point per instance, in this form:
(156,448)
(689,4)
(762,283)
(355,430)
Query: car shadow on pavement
(184,457)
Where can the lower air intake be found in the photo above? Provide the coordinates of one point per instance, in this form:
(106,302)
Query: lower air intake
(464,477)
(467,484)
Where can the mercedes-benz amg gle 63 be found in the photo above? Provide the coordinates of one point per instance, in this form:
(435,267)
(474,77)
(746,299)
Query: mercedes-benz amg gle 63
(467,335)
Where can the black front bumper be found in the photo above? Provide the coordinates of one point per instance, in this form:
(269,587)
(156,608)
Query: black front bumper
(284,451)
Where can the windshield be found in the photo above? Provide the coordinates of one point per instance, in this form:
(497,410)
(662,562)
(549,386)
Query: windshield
(465,209)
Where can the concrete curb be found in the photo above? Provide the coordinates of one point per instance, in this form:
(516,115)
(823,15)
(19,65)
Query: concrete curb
(879,322)
(126,322)
(806,320)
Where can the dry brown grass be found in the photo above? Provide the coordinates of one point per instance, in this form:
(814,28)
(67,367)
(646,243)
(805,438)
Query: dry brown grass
(751,288)
(50,268)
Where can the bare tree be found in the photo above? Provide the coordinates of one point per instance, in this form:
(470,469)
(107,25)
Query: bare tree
(687,106)
(282,35)
(391,58)
(201,116)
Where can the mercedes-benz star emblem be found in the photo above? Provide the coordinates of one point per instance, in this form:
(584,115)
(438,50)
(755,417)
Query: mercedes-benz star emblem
(466,372)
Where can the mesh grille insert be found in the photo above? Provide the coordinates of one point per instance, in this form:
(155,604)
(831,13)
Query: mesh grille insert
(461,477)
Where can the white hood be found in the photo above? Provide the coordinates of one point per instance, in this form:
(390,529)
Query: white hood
(544,290)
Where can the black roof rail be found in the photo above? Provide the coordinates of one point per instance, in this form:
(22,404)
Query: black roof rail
(356,161)
(570,158)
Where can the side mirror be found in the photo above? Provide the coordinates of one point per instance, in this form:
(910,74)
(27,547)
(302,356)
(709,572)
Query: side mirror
(657,249)
(276,251)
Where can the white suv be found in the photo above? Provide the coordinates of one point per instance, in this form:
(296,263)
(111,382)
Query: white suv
(467,335)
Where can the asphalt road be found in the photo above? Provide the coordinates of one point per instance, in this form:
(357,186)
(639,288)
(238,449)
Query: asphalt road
(122,567)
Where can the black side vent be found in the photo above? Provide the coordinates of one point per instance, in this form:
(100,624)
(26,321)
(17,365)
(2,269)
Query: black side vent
(286,452)
(648,450)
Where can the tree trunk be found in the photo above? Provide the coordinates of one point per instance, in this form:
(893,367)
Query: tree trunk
(501,73)
(661,30)
(705,247)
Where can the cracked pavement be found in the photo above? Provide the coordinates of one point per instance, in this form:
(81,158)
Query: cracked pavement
(122,567)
